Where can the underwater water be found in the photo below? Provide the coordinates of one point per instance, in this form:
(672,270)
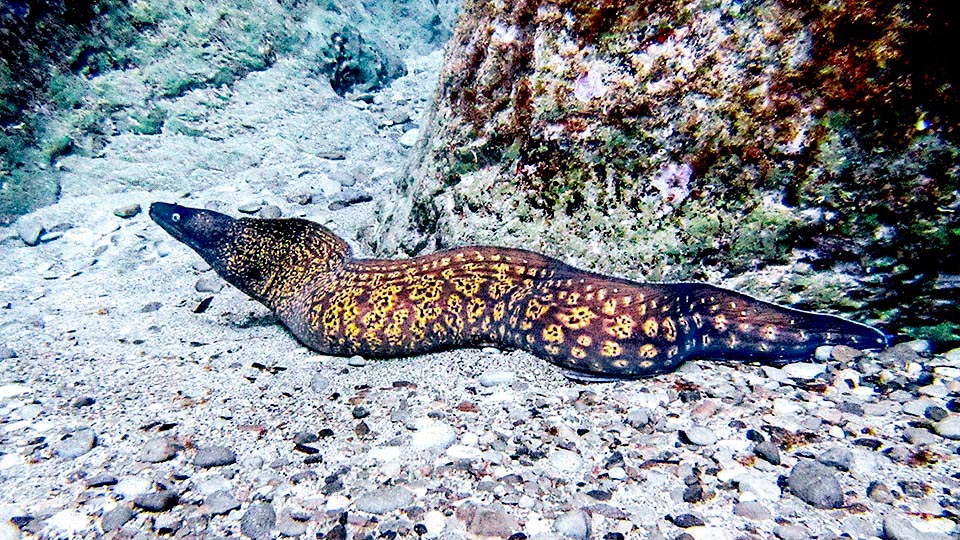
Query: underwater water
(802,157)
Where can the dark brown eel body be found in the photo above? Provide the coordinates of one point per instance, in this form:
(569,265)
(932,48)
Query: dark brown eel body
(591,324)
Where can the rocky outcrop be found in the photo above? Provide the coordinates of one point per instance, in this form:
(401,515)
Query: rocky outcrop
(807,149)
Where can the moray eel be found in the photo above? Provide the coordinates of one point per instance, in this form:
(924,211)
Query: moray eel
(595,326)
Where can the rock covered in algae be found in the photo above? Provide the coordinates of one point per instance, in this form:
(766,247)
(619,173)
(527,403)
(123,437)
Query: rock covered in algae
(809,149)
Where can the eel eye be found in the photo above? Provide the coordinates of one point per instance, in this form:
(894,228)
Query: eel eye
(175,218)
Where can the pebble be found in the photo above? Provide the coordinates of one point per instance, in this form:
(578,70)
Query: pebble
(127,211)
(356,361)
(112,520)
(836,457)
(488,520)
(791,532)
(409,138)
(384,500)
(100,480)
(565,461)
(159,501)
(916,407)
(767,451)
(803,370)
(75,444)
(497,378)
(815,484)
(700,436)
(133,486)
(431,434)
(348,197)
(159,450)
(879,492)
(220,502)
(258,520)
(289,527)
(898,527)
(209,284)
(6,353)
(949,427)
(751,510)
(573,524)
(270,212)
(639,417)
(29,230)
(214,456)
(249,208)
(69,521)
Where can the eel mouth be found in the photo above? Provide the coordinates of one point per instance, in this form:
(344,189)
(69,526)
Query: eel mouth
(167,216)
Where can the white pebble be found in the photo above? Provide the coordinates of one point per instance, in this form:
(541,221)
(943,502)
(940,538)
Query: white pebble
(409,138)
(460,451)
(708,533)
(385,453)
(803,370)
(8,461)
(949,427)
(337,502)
(132,486)
(69,521)
(565,461)
(391,469)
(823,353)
(497,378)
(11,390)
(433,435)
(9,531)
(435,522)
(617,473)
(762,488)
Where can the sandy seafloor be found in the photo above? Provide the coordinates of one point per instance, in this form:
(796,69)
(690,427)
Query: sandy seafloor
(111,384)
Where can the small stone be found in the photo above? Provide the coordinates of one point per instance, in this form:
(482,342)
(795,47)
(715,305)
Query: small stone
(573,524)
(133,486)
(898,527)
(157,502)
(409,138)
(497,378)
(258,520)
(100,480)
(487,520)
(112,520)
(767,451)
(751,510)
(685,521)
(356,361)
(83,401)
(214,456)
(791,532)
(9,531)
(804,370)
(815,484)
(879,492)
(289,527)
(360,412)
(220,502)
(6,353)
(249,208)
(127,211)
(270,212)
(167,524)
(565,461)
(75,444)
(837,457)
(433,435)
(639,417)
(209,284)
(29,230)
(384,500)
(159,450)
(949,427)
(699,435)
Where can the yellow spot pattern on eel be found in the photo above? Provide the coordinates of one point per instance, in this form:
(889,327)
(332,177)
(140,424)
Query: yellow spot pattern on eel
(473,296)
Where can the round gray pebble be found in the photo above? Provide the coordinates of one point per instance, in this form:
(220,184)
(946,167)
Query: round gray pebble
(116,518)
(209,284)
(896,527)
(157,502)
(220,502)
(792,532)
(249,208)
(837,457)
(573,524)
(258,520)
(159,450)
(270,212)
(700,436)
(949,427)
(214,456)
(815,484)
(383,500)
(76,443)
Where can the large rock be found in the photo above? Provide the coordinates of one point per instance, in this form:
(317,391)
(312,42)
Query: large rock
(675,140)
